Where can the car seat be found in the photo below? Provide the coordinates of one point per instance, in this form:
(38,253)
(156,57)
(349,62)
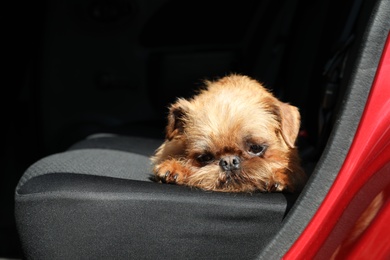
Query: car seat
(96,200)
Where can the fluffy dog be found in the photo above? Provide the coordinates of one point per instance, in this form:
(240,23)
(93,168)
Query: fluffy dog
(234,136)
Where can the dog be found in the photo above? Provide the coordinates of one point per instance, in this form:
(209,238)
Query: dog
(233,136)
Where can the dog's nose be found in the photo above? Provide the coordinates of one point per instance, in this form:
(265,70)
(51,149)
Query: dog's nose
(229,163)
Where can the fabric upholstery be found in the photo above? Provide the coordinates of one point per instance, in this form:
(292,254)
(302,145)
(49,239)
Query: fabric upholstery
(96,201)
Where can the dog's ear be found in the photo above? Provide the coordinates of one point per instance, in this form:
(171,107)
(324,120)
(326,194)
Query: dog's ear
(176,119)
(290,121)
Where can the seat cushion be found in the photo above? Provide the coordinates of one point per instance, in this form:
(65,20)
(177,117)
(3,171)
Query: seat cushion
(138,145)
(96,201)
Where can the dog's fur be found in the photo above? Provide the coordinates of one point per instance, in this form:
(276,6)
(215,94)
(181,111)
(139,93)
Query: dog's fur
(234,136)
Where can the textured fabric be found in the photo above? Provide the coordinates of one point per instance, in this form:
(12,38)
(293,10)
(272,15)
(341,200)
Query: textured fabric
(139,145)
(99,162)
(98,203)
(67,216)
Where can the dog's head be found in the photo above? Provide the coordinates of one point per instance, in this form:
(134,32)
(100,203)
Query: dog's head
(236,136)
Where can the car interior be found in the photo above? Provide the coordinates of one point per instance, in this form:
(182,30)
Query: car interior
(92,81)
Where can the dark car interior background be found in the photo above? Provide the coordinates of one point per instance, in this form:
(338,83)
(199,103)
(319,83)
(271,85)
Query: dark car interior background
(88,67)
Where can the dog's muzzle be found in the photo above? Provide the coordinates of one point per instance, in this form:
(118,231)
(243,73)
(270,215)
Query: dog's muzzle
(230,163)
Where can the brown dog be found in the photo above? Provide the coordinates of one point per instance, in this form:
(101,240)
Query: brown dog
(234,136)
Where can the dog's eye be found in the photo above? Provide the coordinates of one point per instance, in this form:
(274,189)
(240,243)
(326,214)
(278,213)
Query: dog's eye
(257,149)
(205,158)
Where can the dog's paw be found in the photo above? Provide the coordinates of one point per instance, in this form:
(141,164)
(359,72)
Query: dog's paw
(171,171)
(272,187)
(275,186)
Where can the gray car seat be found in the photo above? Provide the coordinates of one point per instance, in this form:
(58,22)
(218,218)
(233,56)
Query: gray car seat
(96,201)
